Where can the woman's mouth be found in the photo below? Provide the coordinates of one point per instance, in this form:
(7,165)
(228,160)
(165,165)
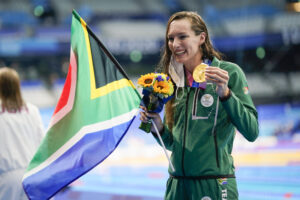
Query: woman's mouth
(179,53)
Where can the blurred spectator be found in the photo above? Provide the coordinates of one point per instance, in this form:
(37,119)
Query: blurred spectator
(173,5)
(287,130)
(2,63)
(44,10)
(21,133)
(296,127)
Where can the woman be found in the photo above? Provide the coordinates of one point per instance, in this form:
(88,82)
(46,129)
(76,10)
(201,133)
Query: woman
(200,122)
(21,132)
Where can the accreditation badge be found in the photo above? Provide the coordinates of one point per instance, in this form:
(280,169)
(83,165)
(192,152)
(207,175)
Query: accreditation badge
(207,100)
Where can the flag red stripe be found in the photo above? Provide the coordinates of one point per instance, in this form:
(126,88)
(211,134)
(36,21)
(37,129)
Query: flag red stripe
(63,100)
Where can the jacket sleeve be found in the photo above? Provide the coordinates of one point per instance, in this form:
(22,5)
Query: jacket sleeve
(239,106)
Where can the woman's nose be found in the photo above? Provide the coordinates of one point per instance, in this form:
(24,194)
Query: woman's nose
(176,43)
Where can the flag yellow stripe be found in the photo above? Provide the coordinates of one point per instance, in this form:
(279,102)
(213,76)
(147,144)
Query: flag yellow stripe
(88,47)
(97,92)
(110,87)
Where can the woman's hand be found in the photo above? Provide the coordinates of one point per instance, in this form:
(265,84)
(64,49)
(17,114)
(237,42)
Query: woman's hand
(220,77)
(145,116)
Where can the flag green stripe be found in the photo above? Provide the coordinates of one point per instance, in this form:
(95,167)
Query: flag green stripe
(68,126)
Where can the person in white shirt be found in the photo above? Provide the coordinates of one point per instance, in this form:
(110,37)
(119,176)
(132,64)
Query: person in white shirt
(21,131)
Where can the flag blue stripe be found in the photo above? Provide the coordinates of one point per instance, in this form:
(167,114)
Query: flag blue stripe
(88,152)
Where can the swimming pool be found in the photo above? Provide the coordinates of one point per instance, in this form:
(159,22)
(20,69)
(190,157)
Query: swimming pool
(137,170)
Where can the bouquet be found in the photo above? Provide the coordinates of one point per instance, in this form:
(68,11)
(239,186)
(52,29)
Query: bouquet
(157,90)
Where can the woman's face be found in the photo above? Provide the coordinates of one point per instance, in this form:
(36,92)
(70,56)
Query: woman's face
(184,44)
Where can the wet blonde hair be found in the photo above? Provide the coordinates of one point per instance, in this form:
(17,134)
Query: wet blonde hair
(10,90)
(198,26)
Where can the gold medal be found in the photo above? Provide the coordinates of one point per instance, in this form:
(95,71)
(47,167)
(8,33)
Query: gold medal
(199,73)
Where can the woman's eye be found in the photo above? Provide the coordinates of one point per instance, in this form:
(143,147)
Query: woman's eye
(171,39)
(182,37)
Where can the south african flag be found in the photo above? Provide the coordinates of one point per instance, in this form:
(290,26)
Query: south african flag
(97,105)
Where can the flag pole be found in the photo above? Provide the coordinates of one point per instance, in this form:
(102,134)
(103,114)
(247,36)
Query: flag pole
(163,145)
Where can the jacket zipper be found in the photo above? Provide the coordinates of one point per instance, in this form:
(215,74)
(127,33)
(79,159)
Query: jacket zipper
(195,102)
(216,149)
(185,128)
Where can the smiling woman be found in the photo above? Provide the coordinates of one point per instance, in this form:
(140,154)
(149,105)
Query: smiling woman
(184,43)
(201,119)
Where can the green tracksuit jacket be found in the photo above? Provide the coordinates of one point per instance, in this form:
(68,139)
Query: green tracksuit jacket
(202,137)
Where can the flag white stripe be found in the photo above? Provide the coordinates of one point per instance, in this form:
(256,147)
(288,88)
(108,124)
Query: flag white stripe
(66,109)
(80,134)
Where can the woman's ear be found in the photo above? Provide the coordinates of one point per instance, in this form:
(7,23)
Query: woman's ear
(202,38)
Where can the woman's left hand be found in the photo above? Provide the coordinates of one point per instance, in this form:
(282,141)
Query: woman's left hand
(220,77)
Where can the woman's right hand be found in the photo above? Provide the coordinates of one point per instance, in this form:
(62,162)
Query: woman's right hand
(145,116)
